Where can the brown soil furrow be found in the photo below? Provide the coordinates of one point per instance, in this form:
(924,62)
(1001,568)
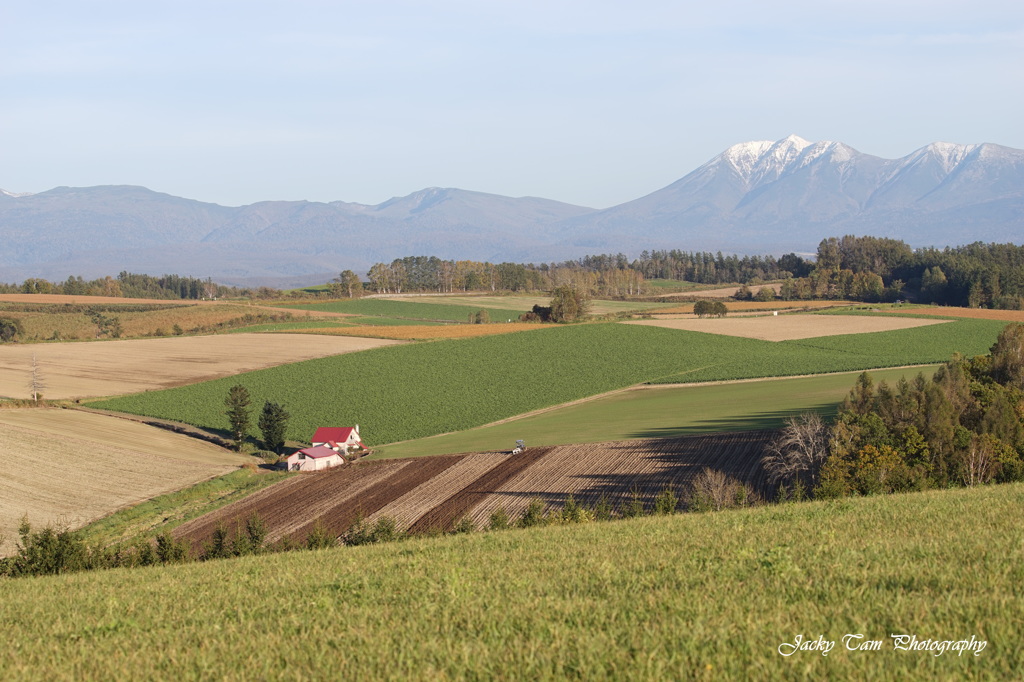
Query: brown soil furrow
(287,505)
(342,515)
(444,515)
(408,508)
(613,470)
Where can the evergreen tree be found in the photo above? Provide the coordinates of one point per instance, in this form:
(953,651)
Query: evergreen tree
(273,423)
(237,403)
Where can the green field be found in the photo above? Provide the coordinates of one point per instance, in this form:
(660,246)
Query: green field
(662,412)
(376,307)
(695,596)
(416,390)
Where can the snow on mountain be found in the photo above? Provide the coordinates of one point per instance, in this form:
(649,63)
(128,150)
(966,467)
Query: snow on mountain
(754,197)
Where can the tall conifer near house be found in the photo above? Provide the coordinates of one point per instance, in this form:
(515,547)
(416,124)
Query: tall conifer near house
(237,403)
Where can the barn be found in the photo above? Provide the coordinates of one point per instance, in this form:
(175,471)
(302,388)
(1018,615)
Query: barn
(341,439)
(314,459)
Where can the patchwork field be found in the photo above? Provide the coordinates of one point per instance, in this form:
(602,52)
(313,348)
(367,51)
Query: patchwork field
(436,492)
(417,390)
(789,327)
(659,411)
(76,370)
(74,467)
(423,332)
(524,303)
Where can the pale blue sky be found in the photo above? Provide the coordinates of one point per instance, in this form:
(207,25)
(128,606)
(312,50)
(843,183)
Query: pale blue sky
(590,102)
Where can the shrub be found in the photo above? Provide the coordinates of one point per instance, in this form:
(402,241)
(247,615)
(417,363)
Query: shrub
(666,502)
(533,515)
(499,520)
(320,538)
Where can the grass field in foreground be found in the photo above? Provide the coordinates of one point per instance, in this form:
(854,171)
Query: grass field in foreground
(662,412)
(423,389)
(701,596)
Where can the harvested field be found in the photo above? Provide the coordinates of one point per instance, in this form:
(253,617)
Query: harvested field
(790,327)
(64,467)
(970,313)
(434,493)
(106,431)
(193,318)
(757,306)
(410,332)
(78,370)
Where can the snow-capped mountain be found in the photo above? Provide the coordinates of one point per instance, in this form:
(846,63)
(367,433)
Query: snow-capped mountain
(787,195)
(755,197)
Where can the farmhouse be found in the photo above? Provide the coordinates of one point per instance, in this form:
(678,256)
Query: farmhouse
(341,439)
(314,459)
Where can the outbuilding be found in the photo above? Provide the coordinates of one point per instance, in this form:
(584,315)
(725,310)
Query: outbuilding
(314,459)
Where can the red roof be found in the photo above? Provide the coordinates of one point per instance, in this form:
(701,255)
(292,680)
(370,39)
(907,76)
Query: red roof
(338,434)
(318,452)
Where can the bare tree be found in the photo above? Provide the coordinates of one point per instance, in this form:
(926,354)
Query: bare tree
(714,490)
(35,382)
(798,451)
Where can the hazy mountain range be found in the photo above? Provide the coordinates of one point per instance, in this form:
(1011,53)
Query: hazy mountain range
(755,197)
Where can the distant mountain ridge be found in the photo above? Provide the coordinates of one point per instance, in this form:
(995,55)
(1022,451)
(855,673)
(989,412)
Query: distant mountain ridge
(755,197)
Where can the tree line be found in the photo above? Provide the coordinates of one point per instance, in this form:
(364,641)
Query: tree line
(133,285)
(867,269)
(963,426)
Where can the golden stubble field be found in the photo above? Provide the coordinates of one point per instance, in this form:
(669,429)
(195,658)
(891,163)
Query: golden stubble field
(790,327)
(102,368)
(66,466)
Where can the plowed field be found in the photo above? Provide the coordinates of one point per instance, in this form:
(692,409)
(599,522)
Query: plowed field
(431,493)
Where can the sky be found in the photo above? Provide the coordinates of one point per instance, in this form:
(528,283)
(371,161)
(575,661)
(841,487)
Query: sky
(589,102)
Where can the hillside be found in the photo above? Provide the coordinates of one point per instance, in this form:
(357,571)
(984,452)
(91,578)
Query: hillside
(703,596)
(755,197)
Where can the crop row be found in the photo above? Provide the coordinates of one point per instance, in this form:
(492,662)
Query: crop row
(412,391)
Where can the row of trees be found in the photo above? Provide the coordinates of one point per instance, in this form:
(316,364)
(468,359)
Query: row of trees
(129,285)
(963,426)
(432,274)
(273,419)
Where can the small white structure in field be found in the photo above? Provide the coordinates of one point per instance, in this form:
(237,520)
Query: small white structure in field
(314,459)
(341,439)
